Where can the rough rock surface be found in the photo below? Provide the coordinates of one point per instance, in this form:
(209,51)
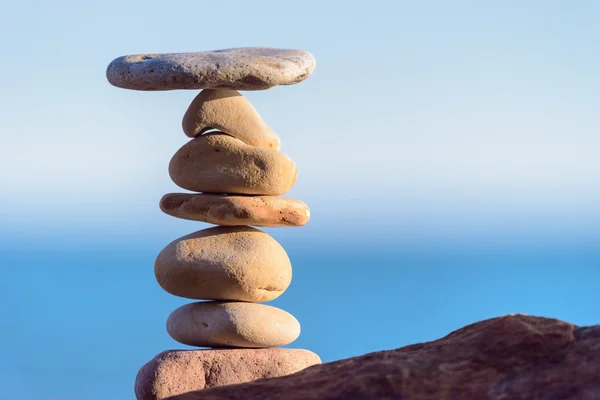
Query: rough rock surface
(224,263)
(229,112)
(516,357)
(219,163)
(236,210)
(251,68)
(232,324)
(180,371)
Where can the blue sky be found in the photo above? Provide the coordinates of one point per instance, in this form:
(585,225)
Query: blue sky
(448,152)
(433,110)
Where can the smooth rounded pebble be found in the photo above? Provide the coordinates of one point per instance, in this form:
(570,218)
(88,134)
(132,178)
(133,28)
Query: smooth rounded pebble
(232,324)
(236,210)
(224,263)
(249,68)
(229,112)
(219,163)
(175,372)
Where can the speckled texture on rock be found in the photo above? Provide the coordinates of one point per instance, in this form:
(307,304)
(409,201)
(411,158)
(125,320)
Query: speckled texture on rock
(250,68)
(224,263)
(236,210)
(229,112)
(232,324)
(219,163)
(175,372)
(515,357)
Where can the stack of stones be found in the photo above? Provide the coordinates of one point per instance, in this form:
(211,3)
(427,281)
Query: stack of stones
(236,171)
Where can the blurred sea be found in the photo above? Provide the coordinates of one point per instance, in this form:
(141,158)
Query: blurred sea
(81,317)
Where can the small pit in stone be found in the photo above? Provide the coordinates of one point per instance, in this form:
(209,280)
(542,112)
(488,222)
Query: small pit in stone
(143,57)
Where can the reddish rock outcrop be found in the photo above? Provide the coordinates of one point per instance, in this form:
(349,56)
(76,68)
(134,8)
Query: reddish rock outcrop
(514,357)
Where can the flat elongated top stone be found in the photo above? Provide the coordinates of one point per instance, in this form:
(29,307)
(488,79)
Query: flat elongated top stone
(250,68)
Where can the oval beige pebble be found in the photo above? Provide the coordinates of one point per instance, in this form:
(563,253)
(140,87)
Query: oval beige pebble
(219,163)
(224,263)
(236,210)
(175,372)
(232,324)
(229,112)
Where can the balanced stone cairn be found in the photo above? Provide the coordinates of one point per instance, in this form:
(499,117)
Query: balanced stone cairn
(234,166)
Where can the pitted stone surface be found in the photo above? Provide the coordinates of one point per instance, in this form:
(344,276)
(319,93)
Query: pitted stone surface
(250,68)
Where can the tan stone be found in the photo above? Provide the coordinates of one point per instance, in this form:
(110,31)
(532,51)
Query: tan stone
(219,163)
(232,324)
(236,210)
(175,372)
(228,111)
(224,263)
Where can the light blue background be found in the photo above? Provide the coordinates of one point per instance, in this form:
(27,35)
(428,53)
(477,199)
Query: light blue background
(448,152)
